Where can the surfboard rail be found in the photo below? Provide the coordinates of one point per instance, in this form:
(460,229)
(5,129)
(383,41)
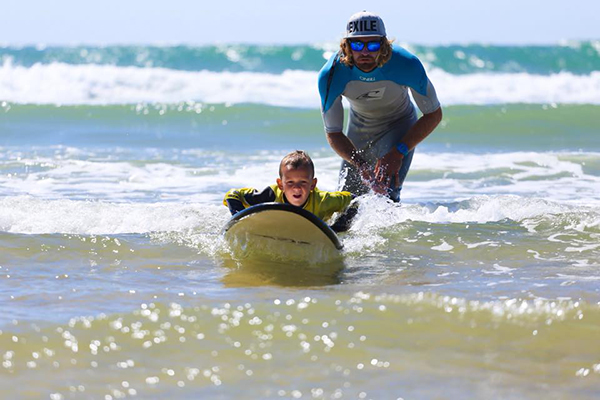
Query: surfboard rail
(318,222)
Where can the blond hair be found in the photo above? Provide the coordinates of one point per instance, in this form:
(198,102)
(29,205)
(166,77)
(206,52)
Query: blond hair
(385,53)
(297,159)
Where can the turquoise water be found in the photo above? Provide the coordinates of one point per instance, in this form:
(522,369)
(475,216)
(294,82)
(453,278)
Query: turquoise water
(577,57)
(115,281)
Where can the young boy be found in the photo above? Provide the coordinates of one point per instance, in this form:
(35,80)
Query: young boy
(296,185)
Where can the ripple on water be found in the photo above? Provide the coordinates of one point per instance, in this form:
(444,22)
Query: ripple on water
(318,346)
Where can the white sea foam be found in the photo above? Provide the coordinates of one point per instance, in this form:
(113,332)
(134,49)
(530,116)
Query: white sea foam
(485,88)
(548,175)
(31,215)
(60,83)
(434,177)
(377,213)
(65,193)
(79,175)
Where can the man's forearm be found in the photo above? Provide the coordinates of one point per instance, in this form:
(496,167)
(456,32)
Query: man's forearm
(345,148)
(422,128)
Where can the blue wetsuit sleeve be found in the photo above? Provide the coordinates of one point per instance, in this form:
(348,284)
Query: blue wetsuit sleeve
(406,69)
(324,84)
(428,103)
(419,76)
(331,81)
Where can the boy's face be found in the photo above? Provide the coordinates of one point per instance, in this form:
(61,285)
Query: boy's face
(296,184)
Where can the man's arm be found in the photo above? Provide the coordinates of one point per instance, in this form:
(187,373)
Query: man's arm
(344,147)
(333,120)
(422,128)
(390,164)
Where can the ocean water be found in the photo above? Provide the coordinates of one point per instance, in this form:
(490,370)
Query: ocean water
(115,281)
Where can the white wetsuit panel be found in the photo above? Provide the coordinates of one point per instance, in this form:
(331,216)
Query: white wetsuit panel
(375,108)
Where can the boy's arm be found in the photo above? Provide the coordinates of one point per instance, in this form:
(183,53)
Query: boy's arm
(238,199)
(338,201)
(330,203)
(234,205)
(345,198)
(348,212)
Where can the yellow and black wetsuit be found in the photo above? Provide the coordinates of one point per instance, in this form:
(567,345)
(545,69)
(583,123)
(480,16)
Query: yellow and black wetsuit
(321,203)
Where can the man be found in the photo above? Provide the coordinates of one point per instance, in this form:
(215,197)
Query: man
(383,128)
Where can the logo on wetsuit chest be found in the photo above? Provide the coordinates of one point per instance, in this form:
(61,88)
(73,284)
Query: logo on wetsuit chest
(366,78)
(376,94)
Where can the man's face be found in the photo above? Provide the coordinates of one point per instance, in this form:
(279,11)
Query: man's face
(366,60)
(296,184)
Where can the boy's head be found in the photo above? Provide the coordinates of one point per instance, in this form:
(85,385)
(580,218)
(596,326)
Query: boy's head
(296,177)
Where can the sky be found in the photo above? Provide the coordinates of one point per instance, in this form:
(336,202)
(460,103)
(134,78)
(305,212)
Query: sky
(104,22)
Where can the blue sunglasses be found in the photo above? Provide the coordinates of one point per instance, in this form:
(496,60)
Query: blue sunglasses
(357,45)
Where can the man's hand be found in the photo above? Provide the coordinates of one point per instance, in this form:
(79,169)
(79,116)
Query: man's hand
(368,178)
(388,167)
(345,148)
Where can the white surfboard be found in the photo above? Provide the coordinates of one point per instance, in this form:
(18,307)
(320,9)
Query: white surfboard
(281,231)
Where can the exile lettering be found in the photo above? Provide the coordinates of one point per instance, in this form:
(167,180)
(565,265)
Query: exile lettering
(362,26)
